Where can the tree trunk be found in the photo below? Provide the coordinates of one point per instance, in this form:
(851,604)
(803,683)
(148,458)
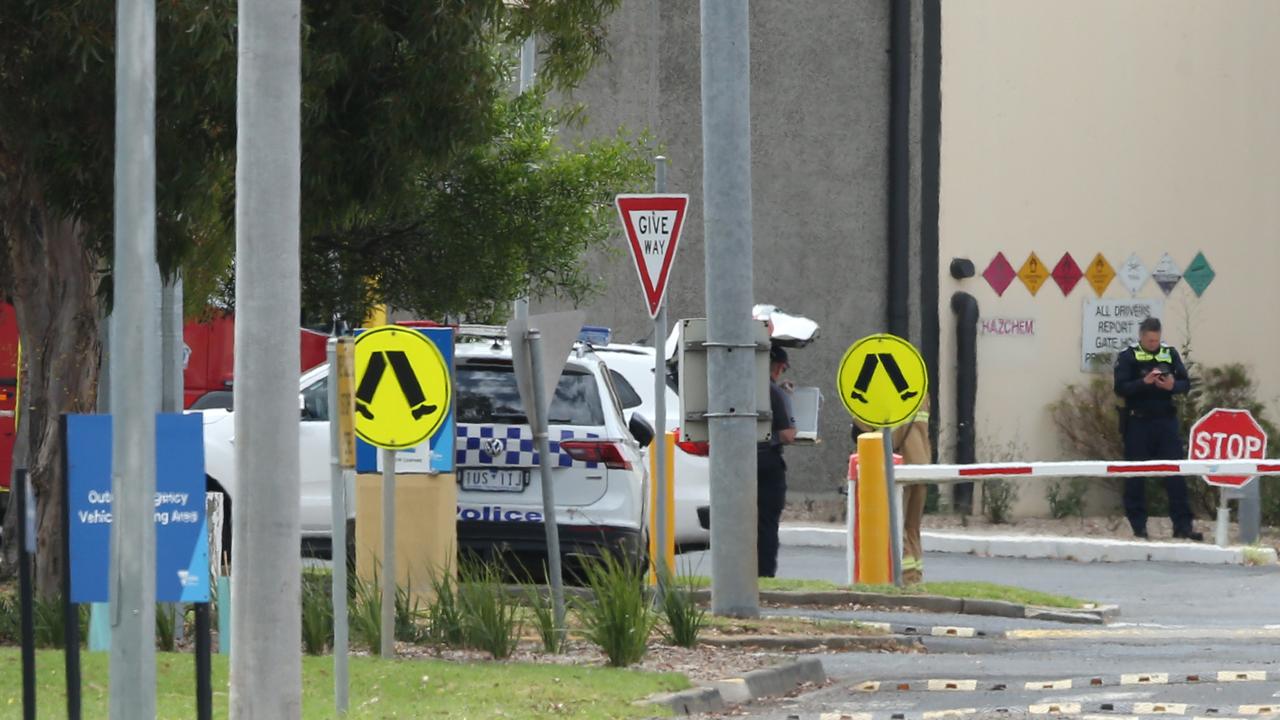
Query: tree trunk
(54,294)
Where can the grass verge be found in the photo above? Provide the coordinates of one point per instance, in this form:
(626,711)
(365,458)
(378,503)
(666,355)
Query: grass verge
(379,688)
(965,590)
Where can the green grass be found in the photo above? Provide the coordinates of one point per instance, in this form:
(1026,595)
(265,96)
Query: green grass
(379,688)
(966,590)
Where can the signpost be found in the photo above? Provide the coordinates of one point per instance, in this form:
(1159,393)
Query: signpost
(532,339)
(883,380)
(652,224)
(1227,435)
(402,398)
(342,457)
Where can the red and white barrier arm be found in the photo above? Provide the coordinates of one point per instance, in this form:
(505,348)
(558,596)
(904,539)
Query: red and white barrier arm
(944,474)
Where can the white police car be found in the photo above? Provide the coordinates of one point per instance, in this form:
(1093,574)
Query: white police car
(597,463)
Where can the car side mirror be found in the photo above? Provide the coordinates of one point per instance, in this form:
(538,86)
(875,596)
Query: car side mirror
(640,429)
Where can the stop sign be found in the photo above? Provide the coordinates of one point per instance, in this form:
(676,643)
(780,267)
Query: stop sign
(1228,435)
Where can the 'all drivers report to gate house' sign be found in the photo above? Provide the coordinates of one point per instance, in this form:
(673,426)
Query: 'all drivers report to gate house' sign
(1110,326)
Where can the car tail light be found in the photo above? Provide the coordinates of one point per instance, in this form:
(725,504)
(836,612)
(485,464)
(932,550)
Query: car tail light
(604,452)
(701,449)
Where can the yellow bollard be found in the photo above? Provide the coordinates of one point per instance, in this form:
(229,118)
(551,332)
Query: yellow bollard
(668,442)
(873,512)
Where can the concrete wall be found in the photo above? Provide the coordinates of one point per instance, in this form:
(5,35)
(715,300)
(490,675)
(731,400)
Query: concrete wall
(1088,126)
(820,93)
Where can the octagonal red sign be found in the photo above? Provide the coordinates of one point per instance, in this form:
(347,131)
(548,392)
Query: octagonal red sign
(1227,435)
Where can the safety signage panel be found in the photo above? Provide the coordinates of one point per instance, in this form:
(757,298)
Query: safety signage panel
(652,224)
(1133,274)
(882,380)
(1166,273)
(1066,274)
(429,352)
(1033,273)
(1199,274)
(1100,274)
(182,532)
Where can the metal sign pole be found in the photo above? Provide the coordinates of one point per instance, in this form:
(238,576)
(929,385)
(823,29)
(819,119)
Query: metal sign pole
(26,593)
(660,412)
(538,422)
(338,372)
(388,553)
(895,525)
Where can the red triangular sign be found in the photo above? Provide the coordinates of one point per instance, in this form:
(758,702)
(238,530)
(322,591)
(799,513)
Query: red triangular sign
(653,226)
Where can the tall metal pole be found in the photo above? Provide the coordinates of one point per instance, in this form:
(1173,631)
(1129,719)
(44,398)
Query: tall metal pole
(528,61)
(538,422)
(135,348)
(266,586)
(731,395)
(171,382)
(660,411)
(338,537)
(388,648)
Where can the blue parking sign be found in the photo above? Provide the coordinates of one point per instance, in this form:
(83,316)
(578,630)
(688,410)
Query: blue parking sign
(182,536)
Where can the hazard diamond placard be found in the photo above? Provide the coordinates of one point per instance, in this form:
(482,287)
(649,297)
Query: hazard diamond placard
(652,224)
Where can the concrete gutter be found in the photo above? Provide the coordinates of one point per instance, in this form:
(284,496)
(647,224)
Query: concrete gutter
(754,685)
(1054,547)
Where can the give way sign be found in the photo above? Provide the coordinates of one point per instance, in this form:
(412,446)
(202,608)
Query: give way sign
(652,223)
(1228,435)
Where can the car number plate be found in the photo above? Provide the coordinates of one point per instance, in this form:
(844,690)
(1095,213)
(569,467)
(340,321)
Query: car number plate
(495,480)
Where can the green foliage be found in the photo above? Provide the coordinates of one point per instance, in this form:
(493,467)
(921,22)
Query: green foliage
(167,619)
(365,616)
(317,612)
(445,625)
(617,617)
(517,214)
(1087,420)
(1066,499)
(685,619)
(998,497)
(489,611)
(544,619)
(49,616)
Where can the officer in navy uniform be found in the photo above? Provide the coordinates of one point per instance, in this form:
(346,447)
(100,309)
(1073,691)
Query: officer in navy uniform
(771,472)
(1147,376)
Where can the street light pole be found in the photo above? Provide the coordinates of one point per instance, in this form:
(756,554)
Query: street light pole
(135,348)
(731,393)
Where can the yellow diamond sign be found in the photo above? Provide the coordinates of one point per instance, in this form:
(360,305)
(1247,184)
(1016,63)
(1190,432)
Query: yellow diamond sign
(882,380)
(1033,273)
(1099,274)
(402,395)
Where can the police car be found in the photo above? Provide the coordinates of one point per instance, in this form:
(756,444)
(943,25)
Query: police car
(597,464)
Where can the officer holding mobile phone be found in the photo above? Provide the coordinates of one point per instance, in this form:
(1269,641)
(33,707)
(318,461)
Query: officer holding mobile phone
(1147,376)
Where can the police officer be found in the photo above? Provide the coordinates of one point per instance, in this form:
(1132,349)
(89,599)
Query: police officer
(771,472)
(1147,376)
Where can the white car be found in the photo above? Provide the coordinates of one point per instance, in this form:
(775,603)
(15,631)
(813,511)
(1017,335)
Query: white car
(631,367)
(598,466)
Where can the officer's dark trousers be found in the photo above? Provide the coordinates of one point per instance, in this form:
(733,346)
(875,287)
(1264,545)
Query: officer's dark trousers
(771,497)
(1155,438)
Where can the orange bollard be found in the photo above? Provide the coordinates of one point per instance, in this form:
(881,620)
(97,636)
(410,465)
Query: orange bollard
(665,443)
(871,559)
(852,573)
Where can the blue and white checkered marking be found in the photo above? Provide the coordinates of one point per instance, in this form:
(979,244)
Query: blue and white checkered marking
(517,441)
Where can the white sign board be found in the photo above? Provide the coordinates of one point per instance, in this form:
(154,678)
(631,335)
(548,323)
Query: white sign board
(1110,326)
(1133,274)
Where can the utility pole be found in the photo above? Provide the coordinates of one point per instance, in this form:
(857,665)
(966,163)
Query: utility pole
(135,347)
(528,62)
(266,634)
(726,202)
(659,445)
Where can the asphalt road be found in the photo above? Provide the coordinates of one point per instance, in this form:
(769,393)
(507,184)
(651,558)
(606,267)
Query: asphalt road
(1177,621)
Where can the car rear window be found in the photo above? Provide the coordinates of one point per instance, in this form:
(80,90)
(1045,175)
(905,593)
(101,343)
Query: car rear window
(487,394)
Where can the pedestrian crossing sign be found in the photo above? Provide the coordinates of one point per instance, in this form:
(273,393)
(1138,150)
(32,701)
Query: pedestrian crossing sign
(403,387)
(882,380)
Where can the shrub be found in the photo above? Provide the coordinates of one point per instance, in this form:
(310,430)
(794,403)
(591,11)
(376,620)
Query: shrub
(489,611)
(366,614)
(317,612)
(444,616)
(1066,498)
(544,618)
(617,617)
(685,619)
(998,497)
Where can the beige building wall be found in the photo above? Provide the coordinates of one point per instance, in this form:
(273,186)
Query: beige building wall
(1088,126)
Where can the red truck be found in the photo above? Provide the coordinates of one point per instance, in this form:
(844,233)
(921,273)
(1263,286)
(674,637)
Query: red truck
(208,360)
